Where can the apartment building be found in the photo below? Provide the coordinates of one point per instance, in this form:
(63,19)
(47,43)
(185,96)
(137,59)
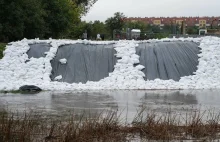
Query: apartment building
(202,22)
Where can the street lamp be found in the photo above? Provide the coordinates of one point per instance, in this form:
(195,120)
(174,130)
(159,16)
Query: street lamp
(173,26)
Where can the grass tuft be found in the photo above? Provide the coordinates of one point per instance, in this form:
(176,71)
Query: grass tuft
(2,48)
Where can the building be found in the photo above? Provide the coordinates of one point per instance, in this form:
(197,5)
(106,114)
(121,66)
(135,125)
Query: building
(201,22)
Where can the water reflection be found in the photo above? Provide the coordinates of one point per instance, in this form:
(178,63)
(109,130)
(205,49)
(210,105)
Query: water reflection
(125,102)
(82,102)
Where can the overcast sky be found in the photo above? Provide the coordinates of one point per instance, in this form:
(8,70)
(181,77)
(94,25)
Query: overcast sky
(103,9)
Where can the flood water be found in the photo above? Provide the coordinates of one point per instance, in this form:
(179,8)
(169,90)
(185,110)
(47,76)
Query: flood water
(125,103)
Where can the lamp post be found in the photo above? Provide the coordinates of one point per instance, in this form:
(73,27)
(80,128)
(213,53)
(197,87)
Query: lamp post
(173,27)
(113,34)
(183,27)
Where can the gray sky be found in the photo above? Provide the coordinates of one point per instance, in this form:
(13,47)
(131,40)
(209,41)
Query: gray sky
(147,8)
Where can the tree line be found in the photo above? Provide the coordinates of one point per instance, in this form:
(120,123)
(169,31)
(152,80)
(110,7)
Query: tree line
(60,19)
(40,18)
(116,25)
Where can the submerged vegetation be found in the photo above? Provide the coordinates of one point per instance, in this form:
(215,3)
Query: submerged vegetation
(107,126)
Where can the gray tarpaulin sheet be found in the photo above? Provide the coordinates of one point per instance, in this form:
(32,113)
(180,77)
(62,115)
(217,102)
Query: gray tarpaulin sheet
(168,60)
(164,60)
(38,50)
(84,62)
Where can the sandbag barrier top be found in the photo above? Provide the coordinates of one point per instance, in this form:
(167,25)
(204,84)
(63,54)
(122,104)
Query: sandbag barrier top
(17,69)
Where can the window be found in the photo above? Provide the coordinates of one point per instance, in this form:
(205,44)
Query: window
(179,22)
(157,22)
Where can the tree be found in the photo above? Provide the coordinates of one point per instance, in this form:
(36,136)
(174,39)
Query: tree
(92,29)
(40,18)
(84,5)
(116,22)
(153,28)
(61,15)
(34,23)
(167,28)
(192,30)
(99,28)
(20,18)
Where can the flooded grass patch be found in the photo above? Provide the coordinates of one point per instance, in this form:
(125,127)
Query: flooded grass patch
(107,127)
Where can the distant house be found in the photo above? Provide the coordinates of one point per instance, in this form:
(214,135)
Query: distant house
(201,22)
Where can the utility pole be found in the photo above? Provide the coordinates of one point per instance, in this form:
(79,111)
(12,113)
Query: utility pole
(183,27)
(128,31)
(113,35)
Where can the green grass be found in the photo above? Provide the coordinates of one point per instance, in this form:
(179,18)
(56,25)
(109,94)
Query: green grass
(2,48)
(17,92)
(13,92)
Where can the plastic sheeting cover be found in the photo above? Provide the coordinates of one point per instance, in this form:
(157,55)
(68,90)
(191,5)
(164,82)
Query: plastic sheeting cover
(84,62)
(168,60)
(38,50)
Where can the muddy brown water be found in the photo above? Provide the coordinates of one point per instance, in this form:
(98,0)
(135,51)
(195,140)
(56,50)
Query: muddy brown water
(125,103)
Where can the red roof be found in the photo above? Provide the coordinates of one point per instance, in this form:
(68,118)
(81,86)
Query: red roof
(190,21)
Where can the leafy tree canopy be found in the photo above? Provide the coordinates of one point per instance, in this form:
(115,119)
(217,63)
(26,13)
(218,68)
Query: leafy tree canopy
(136,25)
(116,22)
(40,18)
(20,18)
(84,5)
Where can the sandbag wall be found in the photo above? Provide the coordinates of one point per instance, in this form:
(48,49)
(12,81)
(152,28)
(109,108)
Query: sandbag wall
(168,60)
